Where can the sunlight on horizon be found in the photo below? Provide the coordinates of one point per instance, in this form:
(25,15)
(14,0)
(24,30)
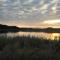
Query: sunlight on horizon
(43,24)
(52,21)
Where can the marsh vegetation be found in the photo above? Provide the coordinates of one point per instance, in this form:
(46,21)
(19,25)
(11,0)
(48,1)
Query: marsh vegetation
(28,48)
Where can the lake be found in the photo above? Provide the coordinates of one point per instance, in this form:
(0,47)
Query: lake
(51,36)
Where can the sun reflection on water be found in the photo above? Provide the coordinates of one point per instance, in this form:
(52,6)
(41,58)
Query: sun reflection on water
(55,36)
(49,36)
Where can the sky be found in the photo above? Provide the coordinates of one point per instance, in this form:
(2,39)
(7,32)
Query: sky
(30,13)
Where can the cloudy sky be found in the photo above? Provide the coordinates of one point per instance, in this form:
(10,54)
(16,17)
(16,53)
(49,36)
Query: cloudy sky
(30,13)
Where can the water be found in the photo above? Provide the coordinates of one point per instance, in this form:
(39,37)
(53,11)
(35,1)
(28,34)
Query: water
(51,36)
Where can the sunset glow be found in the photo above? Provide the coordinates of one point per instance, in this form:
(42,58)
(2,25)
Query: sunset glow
(51,21)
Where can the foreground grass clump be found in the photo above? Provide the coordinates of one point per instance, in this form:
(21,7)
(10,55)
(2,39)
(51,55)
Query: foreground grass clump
(29,48)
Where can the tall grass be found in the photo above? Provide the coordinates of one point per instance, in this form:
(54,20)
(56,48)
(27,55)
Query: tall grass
(29,48)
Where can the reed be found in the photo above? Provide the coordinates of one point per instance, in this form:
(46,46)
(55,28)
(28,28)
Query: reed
(28,48)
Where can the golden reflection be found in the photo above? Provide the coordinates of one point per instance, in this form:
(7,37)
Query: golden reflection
(53,36)
(49,36)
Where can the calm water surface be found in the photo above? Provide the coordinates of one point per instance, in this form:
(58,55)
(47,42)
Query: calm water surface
(44,35)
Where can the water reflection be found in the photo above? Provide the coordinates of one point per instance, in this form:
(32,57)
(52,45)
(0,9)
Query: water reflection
(51,36)
(55,36)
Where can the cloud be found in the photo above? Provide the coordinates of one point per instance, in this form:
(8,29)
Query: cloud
(27,2)
(29,10)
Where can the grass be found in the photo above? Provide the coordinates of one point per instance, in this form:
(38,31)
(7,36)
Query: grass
(29,48)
